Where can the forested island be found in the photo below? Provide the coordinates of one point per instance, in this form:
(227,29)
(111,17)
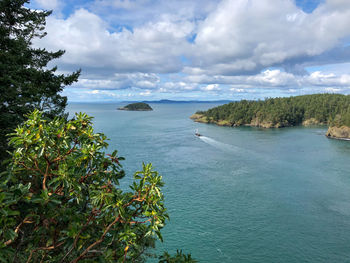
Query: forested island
(139,106)
(317,109)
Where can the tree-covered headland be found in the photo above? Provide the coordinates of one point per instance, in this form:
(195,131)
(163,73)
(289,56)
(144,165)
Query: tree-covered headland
(327,109)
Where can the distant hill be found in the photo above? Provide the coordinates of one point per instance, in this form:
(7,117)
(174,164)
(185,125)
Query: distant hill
(139,106)
(326,109)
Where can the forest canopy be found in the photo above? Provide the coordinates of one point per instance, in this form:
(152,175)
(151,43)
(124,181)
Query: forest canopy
(138,106)
(331,109)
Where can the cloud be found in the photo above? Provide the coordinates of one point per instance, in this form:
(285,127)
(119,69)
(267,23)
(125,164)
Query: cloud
(336,55)
(238,90)
(211,87)
(219,48)
(318,78)
(276,79)
(146,93)
(179,86)
(152,48)
(273,78)
(246,36)
(121,81)
(332,90)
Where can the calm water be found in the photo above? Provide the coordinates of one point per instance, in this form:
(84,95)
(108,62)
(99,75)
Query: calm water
(239,194)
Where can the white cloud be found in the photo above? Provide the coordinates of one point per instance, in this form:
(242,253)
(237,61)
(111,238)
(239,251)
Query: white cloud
(146,93)
(179,86)
(212,87)
(238,90)
(153,47)
(121,81)
(243,36)
(332,90)
(227,47)
(275,78)
(318,78)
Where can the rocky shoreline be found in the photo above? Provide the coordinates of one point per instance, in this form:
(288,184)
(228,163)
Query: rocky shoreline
(254,123)
(340,133)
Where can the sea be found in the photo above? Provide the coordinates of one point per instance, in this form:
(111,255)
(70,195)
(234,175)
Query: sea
(238,194)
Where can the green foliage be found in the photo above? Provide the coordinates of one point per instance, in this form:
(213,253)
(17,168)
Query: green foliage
(60,200)
(333,109)
(26,83)
(138,106)
(178,258)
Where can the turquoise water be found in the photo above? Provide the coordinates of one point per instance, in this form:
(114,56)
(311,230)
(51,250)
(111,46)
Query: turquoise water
(238,194)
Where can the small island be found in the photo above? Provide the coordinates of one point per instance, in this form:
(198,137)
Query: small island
(139,106)
(317,109)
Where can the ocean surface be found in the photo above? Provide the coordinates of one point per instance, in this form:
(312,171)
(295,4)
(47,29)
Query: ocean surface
(238,194)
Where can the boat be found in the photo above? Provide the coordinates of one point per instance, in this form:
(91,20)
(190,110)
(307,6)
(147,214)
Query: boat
(197,133)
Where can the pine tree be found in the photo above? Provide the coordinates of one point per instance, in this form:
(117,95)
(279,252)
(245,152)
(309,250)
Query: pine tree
(26,83)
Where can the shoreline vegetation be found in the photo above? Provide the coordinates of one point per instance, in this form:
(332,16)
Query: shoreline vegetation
(317,109)
(139,106)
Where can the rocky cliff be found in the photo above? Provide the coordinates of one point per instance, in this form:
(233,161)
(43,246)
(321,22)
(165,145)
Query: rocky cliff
(342,132)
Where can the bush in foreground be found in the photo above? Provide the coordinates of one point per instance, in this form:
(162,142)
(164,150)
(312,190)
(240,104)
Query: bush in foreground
(60,201)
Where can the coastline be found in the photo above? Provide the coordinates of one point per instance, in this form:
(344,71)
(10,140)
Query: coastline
(254,123)
(338,133)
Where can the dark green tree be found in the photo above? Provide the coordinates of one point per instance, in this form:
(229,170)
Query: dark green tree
(26,82)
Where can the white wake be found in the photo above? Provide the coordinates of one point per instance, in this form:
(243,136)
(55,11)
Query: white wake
(220,145)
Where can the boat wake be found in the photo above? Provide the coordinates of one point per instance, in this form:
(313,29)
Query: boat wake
(219,145)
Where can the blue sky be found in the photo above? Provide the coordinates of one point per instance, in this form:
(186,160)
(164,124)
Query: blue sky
(200,49)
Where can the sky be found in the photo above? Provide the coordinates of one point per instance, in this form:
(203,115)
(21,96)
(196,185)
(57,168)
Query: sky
(131,50)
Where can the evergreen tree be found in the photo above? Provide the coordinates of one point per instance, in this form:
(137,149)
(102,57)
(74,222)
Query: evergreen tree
(331,109)
(26,83)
